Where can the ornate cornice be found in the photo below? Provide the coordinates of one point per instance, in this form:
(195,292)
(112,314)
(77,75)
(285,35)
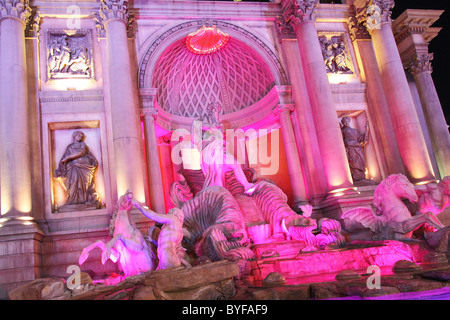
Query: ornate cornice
(296,12)
(19,9)
(419,64)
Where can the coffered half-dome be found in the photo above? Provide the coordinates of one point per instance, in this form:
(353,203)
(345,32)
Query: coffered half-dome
(233,76)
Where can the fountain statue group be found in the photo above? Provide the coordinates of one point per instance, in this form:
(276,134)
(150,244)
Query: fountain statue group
(209,223)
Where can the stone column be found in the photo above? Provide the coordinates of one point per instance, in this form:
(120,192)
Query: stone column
(421,69)
(14,134)
(306,137)
(377,102)
(148,116)
(127,137)
(406,123)
(292,157)
(300,15)
(413,31)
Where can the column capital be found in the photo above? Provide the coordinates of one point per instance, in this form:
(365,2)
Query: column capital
(148,112)
(19,9)
(419,64)
(373,13)
(284,109)
(113,10)
(357,30)
(296,12)
(284,29)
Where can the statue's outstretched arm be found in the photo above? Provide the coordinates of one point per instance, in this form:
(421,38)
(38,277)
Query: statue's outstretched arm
(161,218)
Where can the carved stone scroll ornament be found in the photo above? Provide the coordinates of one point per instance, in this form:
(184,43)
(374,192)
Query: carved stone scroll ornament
(298,11)
(375,13)
(419,64)
(113,9)
(15,8)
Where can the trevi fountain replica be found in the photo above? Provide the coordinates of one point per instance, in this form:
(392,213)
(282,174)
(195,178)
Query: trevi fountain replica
(293,150)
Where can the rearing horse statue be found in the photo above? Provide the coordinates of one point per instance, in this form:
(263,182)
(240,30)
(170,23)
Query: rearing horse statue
(128,246)
(391,219)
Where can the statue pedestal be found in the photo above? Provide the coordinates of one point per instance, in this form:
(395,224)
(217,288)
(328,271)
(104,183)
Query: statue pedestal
(336,204)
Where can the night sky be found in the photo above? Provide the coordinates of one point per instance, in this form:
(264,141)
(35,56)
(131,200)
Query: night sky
(439,46)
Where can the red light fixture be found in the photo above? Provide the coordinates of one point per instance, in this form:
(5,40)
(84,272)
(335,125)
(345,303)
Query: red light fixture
(206,40)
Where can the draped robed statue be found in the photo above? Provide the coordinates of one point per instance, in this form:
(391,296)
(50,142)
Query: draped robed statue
(75,172)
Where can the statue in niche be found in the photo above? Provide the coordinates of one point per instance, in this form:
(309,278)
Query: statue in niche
(334,54)
(68,56)
(355,143)
(75,172)
(215,159)
(170,252)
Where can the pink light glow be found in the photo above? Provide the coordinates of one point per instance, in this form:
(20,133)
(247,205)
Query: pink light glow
(206,40)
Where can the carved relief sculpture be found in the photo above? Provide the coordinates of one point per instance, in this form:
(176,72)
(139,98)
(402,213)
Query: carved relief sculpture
(354,146)
(69,56)
(75,172)
(334,54)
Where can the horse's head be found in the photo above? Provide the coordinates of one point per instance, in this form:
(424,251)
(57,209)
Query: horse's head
(401,186)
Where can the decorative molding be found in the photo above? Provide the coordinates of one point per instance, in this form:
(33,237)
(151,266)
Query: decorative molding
(419,64)
(373,13)
(356,30)
(297,12)
(19,9)
(148,112)
(33,26)
(114,9)
(284,109)
(284,29)
(149,54)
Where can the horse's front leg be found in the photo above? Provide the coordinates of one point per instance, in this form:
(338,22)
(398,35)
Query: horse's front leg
(418,220)
(110,251)
(85,253)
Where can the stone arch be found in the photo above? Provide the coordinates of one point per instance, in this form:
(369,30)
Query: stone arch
(163,41)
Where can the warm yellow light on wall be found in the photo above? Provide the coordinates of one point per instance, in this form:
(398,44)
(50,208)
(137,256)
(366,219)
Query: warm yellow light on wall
(337,78)
(73,84)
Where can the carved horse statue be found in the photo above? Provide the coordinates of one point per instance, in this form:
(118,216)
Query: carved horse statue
(390,219)
(128,246)
(434,197)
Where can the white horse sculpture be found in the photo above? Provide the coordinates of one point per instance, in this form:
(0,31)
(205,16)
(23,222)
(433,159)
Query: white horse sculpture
(391,219)
(128,246)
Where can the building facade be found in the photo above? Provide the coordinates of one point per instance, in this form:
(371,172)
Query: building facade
(99,97)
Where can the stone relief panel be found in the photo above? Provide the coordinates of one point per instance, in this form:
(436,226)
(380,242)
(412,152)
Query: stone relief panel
(69,54)
(336,53)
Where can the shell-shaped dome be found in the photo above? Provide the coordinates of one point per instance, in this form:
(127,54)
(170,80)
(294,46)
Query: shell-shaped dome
(234,76)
